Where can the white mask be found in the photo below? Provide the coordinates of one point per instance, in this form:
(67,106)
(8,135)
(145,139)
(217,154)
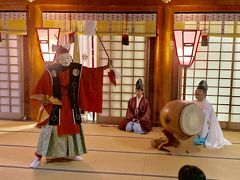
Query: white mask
(64,59)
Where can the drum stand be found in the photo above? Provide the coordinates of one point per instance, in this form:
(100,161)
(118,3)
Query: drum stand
(185,146)
(175,145)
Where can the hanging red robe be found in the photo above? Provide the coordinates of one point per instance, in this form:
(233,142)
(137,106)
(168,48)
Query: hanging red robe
(91,84)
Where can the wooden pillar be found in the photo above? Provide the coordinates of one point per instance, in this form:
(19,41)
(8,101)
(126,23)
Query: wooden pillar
(163,66)
(36,64)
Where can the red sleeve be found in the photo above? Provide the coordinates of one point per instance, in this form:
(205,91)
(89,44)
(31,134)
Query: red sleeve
(130,109)
(44,85)
(145,120)
(129,114)
(90,90)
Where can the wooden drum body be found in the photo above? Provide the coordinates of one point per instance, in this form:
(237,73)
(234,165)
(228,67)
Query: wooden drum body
(182,118)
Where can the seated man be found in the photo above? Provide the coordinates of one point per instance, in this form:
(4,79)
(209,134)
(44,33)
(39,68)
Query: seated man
(211,135)
(138,113)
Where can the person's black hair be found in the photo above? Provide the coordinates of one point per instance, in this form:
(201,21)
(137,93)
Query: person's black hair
(189,172)
(139,85)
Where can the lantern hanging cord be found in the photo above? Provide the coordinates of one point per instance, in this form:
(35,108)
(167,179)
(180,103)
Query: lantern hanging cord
(204,25)
(126,19)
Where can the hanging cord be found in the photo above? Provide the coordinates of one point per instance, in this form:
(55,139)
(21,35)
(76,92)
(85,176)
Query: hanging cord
(126,19)
(204,24)
(70,22)
(204,32)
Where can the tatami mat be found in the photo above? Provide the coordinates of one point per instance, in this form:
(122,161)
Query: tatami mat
(112,154)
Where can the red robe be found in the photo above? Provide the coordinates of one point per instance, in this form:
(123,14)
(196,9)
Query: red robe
(66,124)
(144,114)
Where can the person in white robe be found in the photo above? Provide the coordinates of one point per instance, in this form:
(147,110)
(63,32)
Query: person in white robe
(211,135)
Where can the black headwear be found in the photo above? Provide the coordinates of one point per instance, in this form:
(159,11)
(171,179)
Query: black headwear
(203,85)
(139,85)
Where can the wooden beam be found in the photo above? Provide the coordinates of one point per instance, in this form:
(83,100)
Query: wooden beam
(91,8)
(207,8)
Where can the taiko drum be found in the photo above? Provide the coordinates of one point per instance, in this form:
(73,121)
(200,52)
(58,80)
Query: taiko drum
(183,118)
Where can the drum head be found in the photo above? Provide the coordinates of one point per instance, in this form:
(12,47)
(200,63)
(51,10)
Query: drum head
(191,119)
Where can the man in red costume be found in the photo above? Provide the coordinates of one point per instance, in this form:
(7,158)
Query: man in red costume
(59,90)
(138,113)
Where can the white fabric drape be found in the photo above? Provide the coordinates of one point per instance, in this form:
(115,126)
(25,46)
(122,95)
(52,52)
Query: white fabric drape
(211,128)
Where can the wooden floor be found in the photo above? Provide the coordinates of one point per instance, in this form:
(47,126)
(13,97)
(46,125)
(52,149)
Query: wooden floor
(112,155)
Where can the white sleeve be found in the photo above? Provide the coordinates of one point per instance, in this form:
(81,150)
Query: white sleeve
(207,110)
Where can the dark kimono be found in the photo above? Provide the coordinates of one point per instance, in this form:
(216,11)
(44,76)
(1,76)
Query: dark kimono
(143,114)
